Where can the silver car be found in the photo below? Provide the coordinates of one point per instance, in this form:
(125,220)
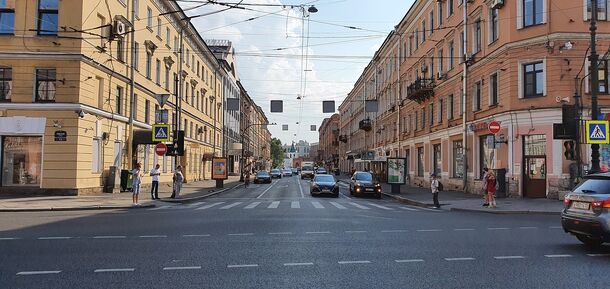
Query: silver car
(586,214)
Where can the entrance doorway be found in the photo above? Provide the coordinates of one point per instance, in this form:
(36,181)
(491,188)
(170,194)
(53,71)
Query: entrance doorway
(534,166)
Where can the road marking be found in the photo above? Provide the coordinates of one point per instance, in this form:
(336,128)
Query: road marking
(354,262)
(555,227)
(241,234)
(598,255)
(242,266)
(295,205)
(54,238)
(344,195)
(429,230)
(8,238)
(252,205)
(409,261)
(317,205)
(281,233)
(460,259)
(503,228)
(408,209)
(300,188)
(266,190)
(298,264)
(38,272)
(274,205)
(153,236)
(322,232)
(159,208)
(182,268)
(230,206)
(464,229)
(209,206)
(196,235)
(393,231)
(558,256)
(338,206)
(195,204)
(508,257)
(114,270)
(359,206)
(528,228)
(379,206)
(354,232)
(109,237)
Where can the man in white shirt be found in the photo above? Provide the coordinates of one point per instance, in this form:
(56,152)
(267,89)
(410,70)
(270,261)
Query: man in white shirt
(154,189)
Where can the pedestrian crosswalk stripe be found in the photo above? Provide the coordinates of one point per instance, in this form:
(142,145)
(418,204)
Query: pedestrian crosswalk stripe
(359,206)
(295,205)
(380,206)
(317,205)
(195,204)
(230,206)
(252,205)
(339,206)
(274,205)
(209,206)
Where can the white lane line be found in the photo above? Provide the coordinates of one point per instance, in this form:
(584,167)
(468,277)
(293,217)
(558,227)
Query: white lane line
(153,236)
(300,188)
(242,266)
(408,209)
(114,270)
(344,195)
(379,206)
(266,190)
(280,233)
(319,232)
(159,208)
(464,229)
(230,206)
(182,268)
(558,256)
(274,205)
(8,238)
(359,206)
(598,255)
(502,228)
(109,237)
(409,261)
(394,231)
(354,262)
(429,230)
(295,205)
(195,235)
(460,259)
(338,206)
(241,234)
(298,264)
(38,272)
(528,228)
(555,227)
(54,238)
(317,205)
(252,205)
(209,206)
(354,232)
(508,257)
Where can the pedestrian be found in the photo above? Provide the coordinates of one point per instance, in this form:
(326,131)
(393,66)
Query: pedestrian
(353,171)
(247,179)
(178,179)
(154,188)
(491,189)
(484,187)
(434,186)
(136,177)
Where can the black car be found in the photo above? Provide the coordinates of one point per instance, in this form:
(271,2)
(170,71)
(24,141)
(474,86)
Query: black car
(324,184)
(276,173)
(262,177)
(587,210)
(362,183)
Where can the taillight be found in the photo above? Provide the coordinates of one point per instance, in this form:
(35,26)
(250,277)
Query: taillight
(567,202)
(605,204)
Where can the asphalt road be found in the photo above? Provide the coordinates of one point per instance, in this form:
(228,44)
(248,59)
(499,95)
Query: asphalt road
(278,236)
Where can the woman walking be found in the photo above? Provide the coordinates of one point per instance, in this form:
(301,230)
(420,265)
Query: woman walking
(491,189)
(136,176)
(178,179)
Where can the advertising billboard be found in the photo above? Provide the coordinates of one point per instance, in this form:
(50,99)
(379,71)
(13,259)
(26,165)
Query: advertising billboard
(219,168)
(396,171)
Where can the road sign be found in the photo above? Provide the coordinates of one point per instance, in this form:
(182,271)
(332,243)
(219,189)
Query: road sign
(160,149)
(162,116)
(597,132)
(494,127)
(161,99)
(160,133)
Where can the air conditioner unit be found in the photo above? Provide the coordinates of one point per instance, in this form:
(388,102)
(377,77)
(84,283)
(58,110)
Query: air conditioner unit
(119,28)
(497,4)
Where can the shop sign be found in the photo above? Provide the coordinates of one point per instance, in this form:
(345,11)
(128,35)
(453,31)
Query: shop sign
(474,127)
(219,168)
(61,135)
(597,132)
(396,171)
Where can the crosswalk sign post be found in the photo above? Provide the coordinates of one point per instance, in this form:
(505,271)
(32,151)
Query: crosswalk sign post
(160,133)
(597,132)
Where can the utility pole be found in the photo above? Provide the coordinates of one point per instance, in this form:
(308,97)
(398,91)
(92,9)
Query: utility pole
(179,95)
(398,97)
(593,59)
(132,109)
(464,92)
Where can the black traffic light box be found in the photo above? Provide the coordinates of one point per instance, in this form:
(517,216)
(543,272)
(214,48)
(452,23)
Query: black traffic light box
(177,147)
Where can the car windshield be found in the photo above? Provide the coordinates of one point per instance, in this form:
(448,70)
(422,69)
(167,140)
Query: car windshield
(275,171)
(364,177)
(307,168)
(594,186)
(321,170)
(262,174)
(324,179)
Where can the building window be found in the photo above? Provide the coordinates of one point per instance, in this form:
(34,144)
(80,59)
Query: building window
(431,114)
(486,153)
(440,14)
(6,83)
(416,122)
(148,65)
(477,97)
(119,100)
(136,8)
(158,72)
(451,53)
(532,12)
(159,27)
(450,7)
(476,43)
(431,22)
(21,160)
(176,46)
(420,162)
(7,17)
(96,162)
(533,79)
(135,107)
(423,118)
(149,18)
(461,108)
(186,93)
(494,30)
(440,110)
(120,50)
(450,107)
(462,52)
(175,84)
(47,17)
(147,111)
(601,9)
(136,52)
(493,89)
(45,84)
(441,58)
(167,79)
(437,159)
(416,34)
(458,159)
(192,95)
(423,31)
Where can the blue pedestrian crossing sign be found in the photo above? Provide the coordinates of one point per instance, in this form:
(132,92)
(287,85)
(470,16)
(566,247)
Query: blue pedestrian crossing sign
(160,133)
(597,132)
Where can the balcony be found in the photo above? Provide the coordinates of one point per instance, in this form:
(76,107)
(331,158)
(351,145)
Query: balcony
(366,124)
(421,90)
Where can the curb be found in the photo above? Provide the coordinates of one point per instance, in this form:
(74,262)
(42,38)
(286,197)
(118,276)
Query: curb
(548,213)
(191,199)
(407,201)
(77,208)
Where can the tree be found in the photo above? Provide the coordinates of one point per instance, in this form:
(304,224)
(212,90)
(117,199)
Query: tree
(277,153)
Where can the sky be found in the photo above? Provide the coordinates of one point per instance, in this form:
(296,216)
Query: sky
(271,43)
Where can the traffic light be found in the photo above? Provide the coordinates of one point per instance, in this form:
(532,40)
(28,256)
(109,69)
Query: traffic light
(179,143)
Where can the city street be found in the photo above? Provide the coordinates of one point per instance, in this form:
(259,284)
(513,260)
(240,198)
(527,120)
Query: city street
(278,236)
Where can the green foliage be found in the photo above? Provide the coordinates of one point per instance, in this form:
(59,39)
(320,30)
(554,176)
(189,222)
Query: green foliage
(277,153)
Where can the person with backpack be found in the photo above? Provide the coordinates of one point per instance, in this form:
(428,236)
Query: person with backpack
(491,189)
(435,186)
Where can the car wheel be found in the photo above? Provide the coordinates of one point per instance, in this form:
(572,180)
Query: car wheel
(589,242)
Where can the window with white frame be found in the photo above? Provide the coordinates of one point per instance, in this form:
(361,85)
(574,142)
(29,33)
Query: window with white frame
(136,8)
(450,107)
(149,18)
(440,14)
(6,83)
(532,79)
(7,17)
(441,59)
(450,8)
(476,102)
(494,29)
(476,36)
(530,12)
(431,22)
(602,9)
(440,110)
(450,56)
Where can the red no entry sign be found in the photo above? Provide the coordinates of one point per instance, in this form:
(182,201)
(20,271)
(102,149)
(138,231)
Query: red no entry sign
(160,149)
(494,127)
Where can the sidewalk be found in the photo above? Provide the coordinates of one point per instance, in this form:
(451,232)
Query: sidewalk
(190,192)
(459,201)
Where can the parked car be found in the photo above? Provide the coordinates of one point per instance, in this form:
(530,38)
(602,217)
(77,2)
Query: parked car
(276,173)
(324,184)
(321,171)
(287,173)
(362,183)
(586,213)
(262,177)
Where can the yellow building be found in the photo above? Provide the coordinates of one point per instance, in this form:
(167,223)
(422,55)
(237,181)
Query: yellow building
(66,93)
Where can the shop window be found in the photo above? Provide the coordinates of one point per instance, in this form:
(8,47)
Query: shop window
(6,83)
(21,160)
(45,84)
(486,153)
(47,17)
(437,159)
(7,17)
(420,162)
(458,159)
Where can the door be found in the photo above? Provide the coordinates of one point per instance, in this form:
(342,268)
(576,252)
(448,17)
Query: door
(534,177)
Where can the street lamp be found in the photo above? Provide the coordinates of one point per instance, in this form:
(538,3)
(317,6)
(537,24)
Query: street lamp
(243,132)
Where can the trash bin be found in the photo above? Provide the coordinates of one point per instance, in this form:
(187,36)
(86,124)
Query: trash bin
(126,180)
(501,179)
